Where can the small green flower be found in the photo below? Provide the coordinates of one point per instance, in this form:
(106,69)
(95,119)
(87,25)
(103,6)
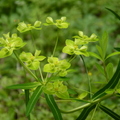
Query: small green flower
(60,23)
(72,48)
(8,44)
(56,66)
(32,61)
(83,39)
(23,27)
(57,88)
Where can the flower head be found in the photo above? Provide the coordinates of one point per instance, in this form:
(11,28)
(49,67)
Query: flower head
(23,27)
(57,66)
(84,39)
(57,88)
(72,48)
(32,61)
(8,44)
(60,23)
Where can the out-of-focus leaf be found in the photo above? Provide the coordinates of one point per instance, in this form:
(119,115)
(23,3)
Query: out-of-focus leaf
(118,49)
(99,67)
(114,13)
(83,95)
(94,55)
(112,54)
(109,70)
(110,85)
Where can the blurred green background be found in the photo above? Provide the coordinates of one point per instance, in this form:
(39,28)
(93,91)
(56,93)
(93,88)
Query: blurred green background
(89,16)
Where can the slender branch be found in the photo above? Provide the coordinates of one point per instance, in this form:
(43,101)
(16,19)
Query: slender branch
(55,46)
(94,112)
(41,74)
(72,58)
(26,68)
(86,105)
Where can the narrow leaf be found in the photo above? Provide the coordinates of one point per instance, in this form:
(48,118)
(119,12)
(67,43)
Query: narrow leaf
(86,112)
(111,84)
(112,54)
(100,51)
(109,69)
(104,43)
(53,106)
(95,55)
(99,67)
(83,95)
(35,96)
(110,112)
(114,13)
(24,86)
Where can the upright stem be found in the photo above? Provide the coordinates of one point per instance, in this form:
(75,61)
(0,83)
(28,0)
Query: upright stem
(104,66)
(26,94)
(33,39)
(41,74)
(55,46)
(89,83)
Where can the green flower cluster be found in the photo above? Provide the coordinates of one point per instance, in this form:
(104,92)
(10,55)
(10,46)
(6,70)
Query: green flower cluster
(57,88)
(23,27)
(60,23)
(32,61)
(8,44)
(79,45)
(57,66)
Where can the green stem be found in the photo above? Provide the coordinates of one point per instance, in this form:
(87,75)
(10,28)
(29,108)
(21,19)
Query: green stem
(41,74)
(104,66)
(87,104)
(72,59)
(94,112)
(89,83)
(26,68)
(26,94)
(55,46)
(33,39)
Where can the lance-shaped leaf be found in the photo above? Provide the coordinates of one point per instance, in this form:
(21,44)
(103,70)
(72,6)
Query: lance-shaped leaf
(24,86)
(114,13)
(111,84)
(95,55)
(34,98)
(112,54)
(86,112)
(109,70)
(110,112)
(53,106)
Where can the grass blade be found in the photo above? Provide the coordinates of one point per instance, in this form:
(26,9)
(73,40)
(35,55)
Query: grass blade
(53,106)
(86,112)
(35,96)
(110,112)
(111,84)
